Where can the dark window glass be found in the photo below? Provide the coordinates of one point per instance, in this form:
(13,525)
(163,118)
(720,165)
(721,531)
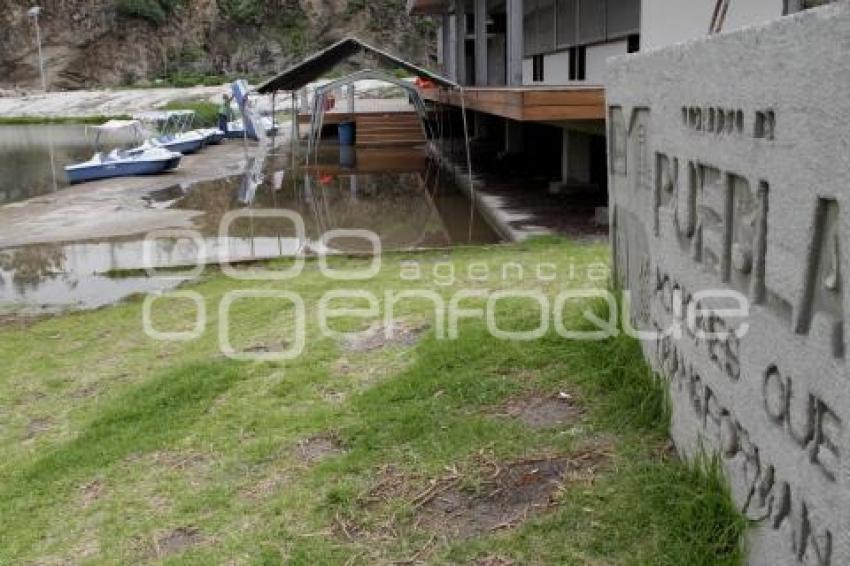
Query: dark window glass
(633,43)
(573,63)
(591,21)
(566,22)
(537,68)
(623,18)
(529,31)
(545,26)
(581,73)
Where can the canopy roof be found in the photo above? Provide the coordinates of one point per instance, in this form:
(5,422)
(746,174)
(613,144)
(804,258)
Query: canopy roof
(320,63)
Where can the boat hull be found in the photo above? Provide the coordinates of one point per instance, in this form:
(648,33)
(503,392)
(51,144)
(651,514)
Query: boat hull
(83,173)
(213,139)
(183,146)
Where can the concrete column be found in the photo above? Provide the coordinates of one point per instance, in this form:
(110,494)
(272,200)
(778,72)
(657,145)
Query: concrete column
(441,44)
(481,42)
(575,157)
(351,98)
(305,103)
(565,155)
(460,45)
(515,41)
(478,125)
(514,140)
(450,49)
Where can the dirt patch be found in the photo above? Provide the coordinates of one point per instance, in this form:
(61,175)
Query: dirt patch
(182,461)
(86,391)
(317,448)
(543,411)
(90,492)
(176,541)
(265,487)
(399,334)
(193,466)
(334,397)
(485,497)
(22,321)
(507,496)
(265,347)
(37,427)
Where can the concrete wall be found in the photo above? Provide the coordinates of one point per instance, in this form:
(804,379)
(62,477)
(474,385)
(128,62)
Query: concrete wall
(496,67)
(729,169)
(526,72)
(597,59)
(664,22)
(557,65)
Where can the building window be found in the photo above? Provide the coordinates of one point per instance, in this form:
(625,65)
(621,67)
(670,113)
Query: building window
(591,21)
(566,22)
(545,26)
(537,69)
(578,63)
(530,27)
(633,43)
(622,18)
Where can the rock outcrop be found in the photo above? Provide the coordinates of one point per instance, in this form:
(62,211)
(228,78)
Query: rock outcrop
(89,43)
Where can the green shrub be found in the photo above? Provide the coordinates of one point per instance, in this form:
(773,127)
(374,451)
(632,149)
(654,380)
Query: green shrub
(241,11)
(206,112)
(154,11)
(182,79)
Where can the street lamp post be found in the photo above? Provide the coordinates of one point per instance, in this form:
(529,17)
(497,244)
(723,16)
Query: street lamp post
(33,13)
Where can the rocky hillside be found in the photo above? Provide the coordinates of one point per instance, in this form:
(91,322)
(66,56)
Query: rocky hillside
(90,43)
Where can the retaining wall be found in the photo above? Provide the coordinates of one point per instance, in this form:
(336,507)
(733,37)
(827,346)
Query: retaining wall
(729,168)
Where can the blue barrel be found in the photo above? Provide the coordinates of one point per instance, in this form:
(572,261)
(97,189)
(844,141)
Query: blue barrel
(346,133)
(347,157)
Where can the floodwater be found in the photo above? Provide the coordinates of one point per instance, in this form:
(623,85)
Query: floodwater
(32,158)
(396,193)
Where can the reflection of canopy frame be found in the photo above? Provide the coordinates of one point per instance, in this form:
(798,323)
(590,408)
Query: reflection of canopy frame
(318,112)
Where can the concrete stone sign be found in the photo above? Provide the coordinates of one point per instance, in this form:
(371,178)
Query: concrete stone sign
(729,165)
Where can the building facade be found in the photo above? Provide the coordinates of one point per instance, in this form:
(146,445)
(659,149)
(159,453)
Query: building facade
(542,62)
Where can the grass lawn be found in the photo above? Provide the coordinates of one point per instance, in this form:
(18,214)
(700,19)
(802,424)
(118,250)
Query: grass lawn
(37,120)
(117,448)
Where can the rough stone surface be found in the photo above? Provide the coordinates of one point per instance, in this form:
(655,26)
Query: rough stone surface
(729,169)
(90,43)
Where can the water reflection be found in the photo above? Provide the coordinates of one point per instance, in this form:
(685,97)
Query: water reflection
(396,193)
(51,277)
(32,158)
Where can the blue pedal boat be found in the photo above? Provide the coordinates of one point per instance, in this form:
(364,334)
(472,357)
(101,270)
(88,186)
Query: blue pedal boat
(121,162)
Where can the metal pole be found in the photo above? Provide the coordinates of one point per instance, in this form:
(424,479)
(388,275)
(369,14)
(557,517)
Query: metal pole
(295,134)
(33,13)
(472,203)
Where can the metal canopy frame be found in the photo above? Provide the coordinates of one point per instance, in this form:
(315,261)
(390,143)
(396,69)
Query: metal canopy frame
(320,63)
(319,96)
(312,68)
